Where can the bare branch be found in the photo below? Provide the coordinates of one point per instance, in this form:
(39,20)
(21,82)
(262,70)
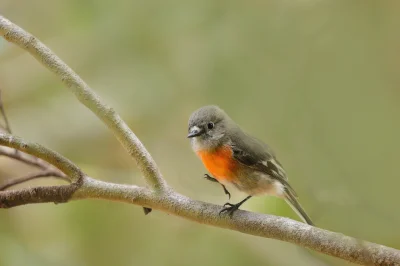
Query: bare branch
(45,173)
(63,164)
(88,97)
(263,225)
(56,194)
(48,170)
(28,159)
(162,198)
(269,226)
(3,113)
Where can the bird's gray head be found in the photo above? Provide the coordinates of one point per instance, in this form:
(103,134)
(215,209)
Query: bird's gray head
(207,127)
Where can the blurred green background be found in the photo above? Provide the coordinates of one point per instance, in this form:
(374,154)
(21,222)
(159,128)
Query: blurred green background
(318,80)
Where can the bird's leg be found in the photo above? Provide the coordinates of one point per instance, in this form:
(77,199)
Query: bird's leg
(212,179)
(226,191)
(231,208)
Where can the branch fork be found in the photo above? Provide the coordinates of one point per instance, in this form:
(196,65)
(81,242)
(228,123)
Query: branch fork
(158,195)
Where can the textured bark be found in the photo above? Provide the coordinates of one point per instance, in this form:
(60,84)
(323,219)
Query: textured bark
(160,196)
(55,194)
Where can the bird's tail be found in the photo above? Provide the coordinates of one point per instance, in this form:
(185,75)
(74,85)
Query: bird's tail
(295,205)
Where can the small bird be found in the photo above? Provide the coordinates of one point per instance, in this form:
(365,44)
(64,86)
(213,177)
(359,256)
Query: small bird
(233,157)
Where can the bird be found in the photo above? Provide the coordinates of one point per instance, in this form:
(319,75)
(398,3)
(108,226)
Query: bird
(233,157)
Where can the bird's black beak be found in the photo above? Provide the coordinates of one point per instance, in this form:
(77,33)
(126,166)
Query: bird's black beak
(195,131)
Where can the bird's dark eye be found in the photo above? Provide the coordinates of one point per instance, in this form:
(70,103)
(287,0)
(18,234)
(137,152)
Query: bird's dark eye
(210,125)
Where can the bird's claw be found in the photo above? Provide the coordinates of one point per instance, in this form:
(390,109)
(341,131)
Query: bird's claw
(229,204)
(210,178)
(229,208)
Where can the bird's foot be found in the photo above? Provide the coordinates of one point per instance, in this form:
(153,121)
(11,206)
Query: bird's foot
(229,208)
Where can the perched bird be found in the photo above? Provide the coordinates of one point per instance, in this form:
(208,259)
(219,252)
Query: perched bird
(233,157)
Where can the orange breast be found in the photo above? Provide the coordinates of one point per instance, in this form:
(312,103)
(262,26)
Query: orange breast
(219,163)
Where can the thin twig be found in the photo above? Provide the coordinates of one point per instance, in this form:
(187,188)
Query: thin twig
(46,173)
(47,169)
(3,113)
(25,158)
(68,168)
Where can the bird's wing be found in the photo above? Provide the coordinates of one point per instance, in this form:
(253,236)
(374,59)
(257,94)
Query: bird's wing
(259,156)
